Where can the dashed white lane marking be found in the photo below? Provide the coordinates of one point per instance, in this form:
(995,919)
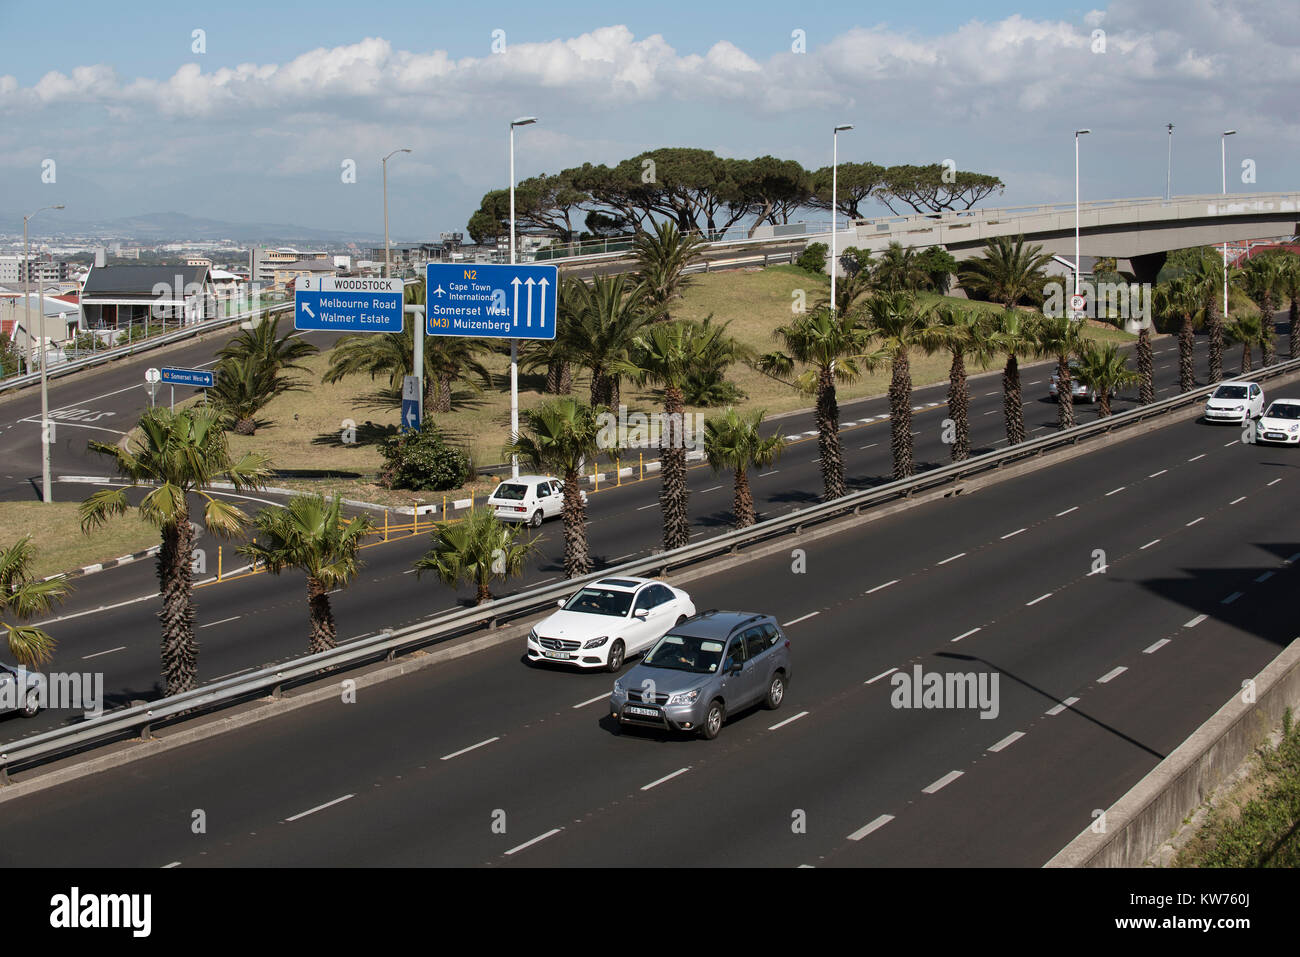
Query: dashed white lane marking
(1037,382)
(714,489)
(1115,490)
(98,653)
(1111,675)
(883,674)
(871,446)
(95,611)
(410,571)
(540,837)
(967,634)
(172,864)
(942,783)
(1157,474)
(213,624)
(1009,740)
(1149,544)
(1073,508)
(1156,647)
(885,585)
(642,508)
(319,807)
(666,777)
(796,621)
(1231,444)
(1195,621)
(1013,534)
(992,412)
(1194,521)
(583,704)
(782,724)
(1274,482)
(1236,500)
(456,754)
(1067,703)
(1195,457)
(875,825)
(986,394)
(1264,577)
(952,558)
(620,558)
(1231,598)
(1038,599)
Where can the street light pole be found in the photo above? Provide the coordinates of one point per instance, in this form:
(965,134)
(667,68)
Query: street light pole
(45,395)
(835,172)
(1169,167)
(1223,159)
(1077,134)
(388,268)
(514,343)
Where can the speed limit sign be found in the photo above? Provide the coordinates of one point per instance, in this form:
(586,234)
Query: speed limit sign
(1078,303)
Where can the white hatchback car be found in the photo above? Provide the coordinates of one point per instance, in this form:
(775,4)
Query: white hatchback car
(529,498)
(1280,423)
(607,621)
(1235,402)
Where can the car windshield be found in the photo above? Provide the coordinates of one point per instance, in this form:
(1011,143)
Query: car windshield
(685,653)
(511,492)
(601,601)
(1230,392)
(1284,410)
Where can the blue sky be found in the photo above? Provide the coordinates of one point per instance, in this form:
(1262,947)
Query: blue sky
(258,127)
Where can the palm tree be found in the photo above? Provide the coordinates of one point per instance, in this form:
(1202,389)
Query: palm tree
(606,318)
(23,596)
(1291,287)
(311,534)
(1207,275)
(662,257)
(561,434)
(1266,278)
(965,332)
(478,549)
(1248,330)
(1180,298)
(1146,366)
(1105,370)
(897,326)
(829,345)
(1062,337)
(264,342)
(1007,273)
(447,359)
(180,454)
(898,270)
(1014,336)
(242,387)
(733,441)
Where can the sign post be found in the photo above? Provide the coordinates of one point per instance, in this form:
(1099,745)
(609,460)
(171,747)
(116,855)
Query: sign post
(151,378)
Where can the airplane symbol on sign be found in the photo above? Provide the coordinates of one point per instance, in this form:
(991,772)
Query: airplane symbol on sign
(440,291)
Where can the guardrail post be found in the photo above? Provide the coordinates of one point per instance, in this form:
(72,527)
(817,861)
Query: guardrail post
(276,690)
(4,769)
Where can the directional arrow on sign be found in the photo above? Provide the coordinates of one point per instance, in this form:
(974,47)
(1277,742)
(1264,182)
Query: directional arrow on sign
(543,284)
(529,283)
(515,282)
(410,418)
(307,309)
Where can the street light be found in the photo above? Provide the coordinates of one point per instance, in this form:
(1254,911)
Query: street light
(1077,134)
(1169,168)
(835,170)
(1223,157)
(388,269)
(514,343)
(45,396)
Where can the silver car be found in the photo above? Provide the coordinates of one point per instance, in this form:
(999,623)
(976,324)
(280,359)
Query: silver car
(710,666)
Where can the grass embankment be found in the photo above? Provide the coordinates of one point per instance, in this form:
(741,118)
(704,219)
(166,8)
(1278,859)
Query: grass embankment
(60,545)
(1258,824)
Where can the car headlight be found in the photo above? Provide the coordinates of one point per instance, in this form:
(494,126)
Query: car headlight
(686,697)
(596,642)
(1294,428)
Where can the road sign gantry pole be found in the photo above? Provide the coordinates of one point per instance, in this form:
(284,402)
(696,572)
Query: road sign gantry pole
(514,343)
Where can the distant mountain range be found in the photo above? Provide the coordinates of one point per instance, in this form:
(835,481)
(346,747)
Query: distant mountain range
(152,228)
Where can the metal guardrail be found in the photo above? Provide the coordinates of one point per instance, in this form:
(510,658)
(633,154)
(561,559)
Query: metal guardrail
(43,747)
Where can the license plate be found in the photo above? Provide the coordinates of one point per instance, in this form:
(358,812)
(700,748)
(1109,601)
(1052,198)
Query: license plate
(564,655)
(648,712)
(1274,435)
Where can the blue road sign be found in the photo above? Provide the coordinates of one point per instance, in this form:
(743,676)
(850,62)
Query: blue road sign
(495,302)
(343,304)
(198,378)
(411,414)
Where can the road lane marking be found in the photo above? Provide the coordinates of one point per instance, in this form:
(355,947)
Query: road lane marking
(1195,621)
(1231,598)
(714,489)
(1038,599)
(1073,508)
(1194,521)
(1236,500)
(1231,444)
(885,585)
(642,508)
(1274,482)
(98,653)
(1156,647)
(319,807)
(583,704)
(213,624)
(942,783)
(1264,577)
(883,674)
(953,558)
(1195,457)
(540,837)
(456,754)
(172,864)
(796,621)
(871,446)
(1008,741)
(967,634)
(875,825)
(1157,474)
(782,724)
(1149,544)
(95,611)
(666,777)
(1013,534)
(1111,675)
(1114,490)
(1067,703)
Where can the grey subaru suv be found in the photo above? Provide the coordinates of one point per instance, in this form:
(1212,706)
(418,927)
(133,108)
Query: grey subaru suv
(709,666)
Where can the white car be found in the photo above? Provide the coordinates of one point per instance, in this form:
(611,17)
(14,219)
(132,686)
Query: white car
(607,621)
(529,498)
(1235,402)
(1281,423)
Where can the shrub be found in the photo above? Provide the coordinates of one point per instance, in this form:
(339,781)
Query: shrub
(424,462)
(939,265)
(813,258)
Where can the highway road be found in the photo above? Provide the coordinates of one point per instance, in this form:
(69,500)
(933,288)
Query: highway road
(1101,672)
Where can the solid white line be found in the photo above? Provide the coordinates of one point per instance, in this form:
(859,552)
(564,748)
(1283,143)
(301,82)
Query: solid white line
(1013,534)
(94,611)
(1195,621)
(952,558)
(1195,457)
(1274,482)
(796,621)
(1114,490)
(98,653)
(943,782)
(319,807)
(1067,703)
(883,674)
(967,634)
(456,754)
(885,585)
(1236,500)
(1111,675)
(60,423)
(1264,577)
(540,837)
(782,724)
(1156,647)
(666,777)
(1194,521)
(1074,508)
(1009,740)
(221,622)
(1231,598)
(1157,474)
(1038,599)
(583,704)
(1149,544)
(875,825)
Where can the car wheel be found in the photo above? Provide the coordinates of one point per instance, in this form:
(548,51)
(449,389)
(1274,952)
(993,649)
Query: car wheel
(32,704)
(615,656)
(775,692)
(713,720)
(536,520)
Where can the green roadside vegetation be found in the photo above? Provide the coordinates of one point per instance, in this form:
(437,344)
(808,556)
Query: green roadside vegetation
(55,529)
